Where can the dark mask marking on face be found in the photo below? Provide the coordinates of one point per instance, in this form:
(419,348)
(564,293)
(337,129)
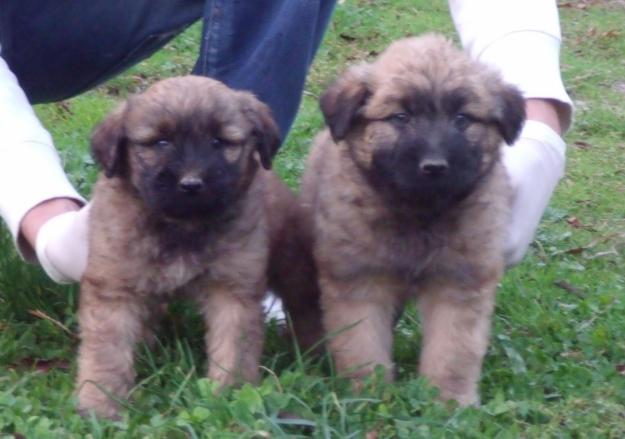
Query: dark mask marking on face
(397,171)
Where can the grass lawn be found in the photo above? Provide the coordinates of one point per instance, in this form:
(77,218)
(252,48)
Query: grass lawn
(556,365)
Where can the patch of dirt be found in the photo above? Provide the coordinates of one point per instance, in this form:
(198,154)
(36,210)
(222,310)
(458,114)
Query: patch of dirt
(619,87)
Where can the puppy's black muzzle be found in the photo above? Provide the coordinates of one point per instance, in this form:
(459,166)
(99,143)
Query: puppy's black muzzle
(427,173)
(179,192)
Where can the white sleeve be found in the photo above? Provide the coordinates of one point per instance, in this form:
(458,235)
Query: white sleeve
(522,39)
(30,167)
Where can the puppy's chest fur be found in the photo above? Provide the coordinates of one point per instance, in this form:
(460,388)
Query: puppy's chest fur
(132,250)
(364,241)
(171,257)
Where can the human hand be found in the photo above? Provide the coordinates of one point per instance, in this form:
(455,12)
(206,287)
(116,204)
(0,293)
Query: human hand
(61,245)
(535,164)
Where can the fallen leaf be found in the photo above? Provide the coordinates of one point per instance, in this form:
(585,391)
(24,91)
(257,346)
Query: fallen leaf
(591,244)
(572,354)
(570,5)
(64,106)
(575,250)
(41,365)
(581,144)
(611,252)
(576,291)
(582,4)
(574,222)
(41,315)
(610,34)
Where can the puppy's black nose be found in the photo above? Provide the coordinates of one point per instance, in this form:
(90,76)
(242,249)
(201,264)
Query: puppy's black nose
(190,185)
(434,166)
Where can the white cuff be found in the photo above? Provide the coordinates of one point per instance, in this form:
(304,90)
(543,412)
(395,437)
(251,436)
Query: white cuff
(47,233)
(543,133)
(62,245)
(535,164)
(30,173)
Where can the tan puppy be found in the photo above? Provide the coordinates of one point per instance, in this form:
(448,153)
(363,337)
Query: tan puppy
(407,199)
(182,208)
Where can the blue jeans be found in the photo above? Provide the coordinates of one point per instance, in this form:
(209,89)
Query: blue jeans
(58,49)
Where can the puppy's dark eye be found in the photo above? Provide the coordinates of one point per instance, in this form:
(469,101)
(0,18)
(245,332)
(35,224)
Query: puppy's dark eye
(219,142)
(462,121)
(401,118)
(161,143)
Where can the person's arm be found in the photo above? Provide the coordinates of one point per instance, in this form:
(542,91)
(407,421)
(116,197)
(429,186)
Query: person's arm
(521,38)
(33,186)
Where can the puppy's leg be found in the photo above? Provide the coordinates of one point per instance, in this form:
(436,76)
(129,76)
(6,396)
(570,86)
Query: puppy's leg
(294,279)
(456,329)
(235,336)
(109,328)
(305,312)
(291,273)
(358,319)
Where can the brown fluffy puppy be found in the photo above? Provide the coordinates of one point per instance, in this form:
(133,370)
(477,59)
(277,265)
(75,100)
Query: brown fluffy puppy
(181,208)
(406,198)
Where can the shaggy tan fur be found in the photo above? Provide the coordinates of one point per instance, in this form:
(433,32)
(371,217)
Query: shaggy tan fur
(141,254)
(374,248)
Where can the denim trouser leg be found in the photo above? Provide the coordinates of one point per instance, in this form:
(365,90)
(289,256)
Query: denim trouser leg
(60,48)
(264,46)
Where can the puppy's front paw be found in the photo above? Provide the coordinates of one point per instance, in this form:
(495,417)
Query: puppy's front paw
(228,378)
(222,377)
(93,399)
(457,389)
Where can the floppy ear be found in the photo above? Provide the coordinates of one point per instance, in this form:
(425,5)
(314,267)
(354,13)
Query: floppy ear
(265,130)
(341,102)
(108,143)
(510,113)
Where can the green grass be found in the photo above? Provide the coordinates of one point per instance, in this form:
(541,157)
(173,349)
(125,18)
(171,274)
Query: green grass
(556,365)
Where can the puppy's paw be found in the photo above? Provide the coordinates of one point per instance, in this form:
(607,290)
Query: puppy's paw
(93,400)
(222,377)
(225,378)
(464,397)
(371,377)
